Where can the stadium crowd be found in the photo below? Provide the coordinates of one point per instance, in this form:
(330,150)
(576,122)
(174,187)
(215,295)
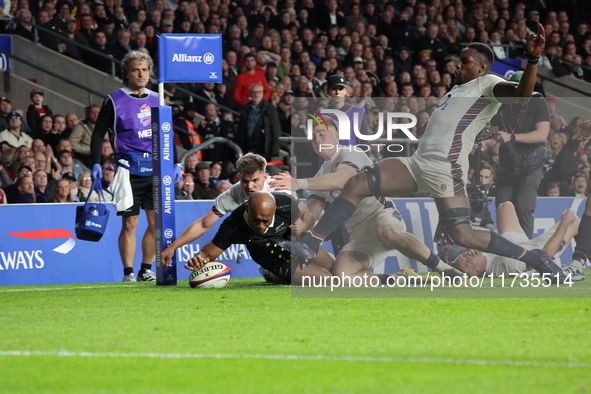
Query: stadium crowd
(277,56)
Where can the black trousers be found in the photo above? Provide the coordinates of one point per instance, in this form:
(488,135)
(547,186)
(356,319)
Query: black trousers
(523,193)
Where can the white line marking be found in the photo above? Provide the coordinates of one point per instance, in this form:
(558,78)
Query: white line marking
(64,353)
(134,286)
(67,288)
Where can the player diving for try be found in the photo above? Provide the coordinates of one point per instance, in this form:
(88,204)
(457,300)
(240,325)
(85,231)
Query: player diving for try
(261,222)
(440,164)
(253,179)
(376,228)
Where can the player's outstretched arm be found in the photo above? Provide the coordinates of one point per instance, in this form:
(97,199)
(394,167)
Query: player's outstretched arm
(328,182)
(535,46)
(583,131)
(210,252)
(565,230)
(194,231)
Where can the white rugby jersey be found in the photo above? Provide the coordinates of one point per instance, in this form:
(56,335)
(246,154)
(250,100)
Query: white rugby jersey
(235,196)
(500,265)
(357,160)
(460,115)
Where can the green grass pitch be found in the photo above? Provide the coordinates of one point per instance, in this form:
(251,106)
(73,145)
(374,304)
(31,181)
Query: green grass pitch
(250,337)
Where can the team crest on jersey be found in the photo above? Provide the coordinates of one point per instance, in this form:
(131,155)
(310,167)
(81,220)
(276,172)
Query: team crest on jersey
(145,115)
(443,187)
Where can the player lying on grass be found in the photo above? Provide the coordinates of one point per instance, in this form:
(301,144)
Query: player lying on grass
(253,179)
(553,241)
(440,164)
(376,228)
(583,238)
(260,224)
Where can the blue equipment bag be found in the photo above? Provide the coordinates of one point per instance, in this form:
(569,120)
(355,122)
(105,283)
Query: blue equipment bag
(91,218)
(140,163)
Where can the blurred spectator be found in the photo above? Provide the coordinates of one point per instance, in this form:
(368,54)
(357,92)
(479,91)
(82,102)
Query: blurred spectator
(121,47)
(552,190)
(108,176)
(99,44)
(66,47)
(61,192)
(25,191)
(248,78)
(82,135)
(185,192)
(186,137)
(42,192)
(191,164)
(22,153)
(65,161)
(14,138)
(579,187)
(84,185)
(204,189)
(259,128)
(23,28)
(11,190)
(562,161)
(215,171)
(213,126)
(223,186)
(37,110)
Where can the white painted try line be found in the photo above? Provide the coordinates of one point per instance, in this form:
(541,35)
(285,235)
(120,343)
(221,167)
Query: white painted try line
(65,353)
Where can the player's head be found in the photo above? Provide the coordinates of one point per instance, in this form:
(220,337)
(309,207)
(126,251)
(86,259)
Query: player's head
(472,262)
(475,60)
(325,140)
(135,69)
(260,209)
(252,170)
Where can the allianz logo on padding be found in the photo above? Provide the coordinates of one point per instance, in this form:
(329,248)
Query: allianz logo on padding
(208,58)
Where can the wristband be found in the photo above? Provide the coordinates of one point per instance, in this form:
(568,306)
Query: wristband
(513,137)
(302,184)
(533,60)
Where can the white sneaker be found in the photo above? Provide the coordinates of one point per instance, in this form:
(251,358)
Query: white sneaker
(576,274)
(146,276)
(129,278)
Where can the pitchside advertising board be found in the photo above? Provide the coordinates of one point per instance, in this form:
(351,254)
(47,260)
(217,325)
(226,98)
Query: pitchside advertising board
(38,246)
(507,68)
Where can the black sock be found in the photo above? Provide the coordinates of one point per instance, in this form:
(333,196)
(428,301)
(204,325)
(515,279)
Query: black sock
(583,238)
(127,271)
(504,247)
(432,261)
(336,214)
(145,267)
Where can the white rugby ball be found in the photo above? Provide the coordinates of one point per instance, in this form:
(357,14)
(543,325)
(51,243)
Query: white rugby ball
(214,274)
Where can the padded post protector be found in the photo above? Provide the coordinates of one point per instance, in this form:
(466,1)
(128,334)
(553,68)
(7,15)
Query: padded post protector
(456,216)
(373,179)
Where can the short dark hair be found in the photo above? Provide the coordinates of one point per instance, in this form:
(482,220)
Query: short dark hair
(484,50)
(249,55)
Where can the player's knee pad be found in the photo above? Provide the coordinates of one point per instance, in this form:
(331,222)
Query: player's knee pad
(454,217)
(373,179)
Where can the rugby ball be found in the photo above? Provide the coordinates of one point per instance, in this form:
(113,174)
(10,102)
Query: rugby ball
(214,274)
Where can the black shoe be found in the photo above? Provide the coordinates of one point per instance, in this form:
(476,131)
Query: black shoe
(547,266)
(296,252)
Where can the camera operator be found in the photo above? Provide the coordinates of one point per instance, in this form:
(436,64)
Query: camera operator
(523,130)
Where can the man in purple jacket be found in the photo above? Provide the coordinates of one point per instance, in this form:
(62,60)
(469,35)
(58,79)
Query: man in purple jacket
(126,115)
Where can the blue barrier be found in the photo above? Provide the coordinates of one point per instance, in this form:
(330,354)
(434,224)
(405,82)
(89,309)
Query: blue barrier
(37,243)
